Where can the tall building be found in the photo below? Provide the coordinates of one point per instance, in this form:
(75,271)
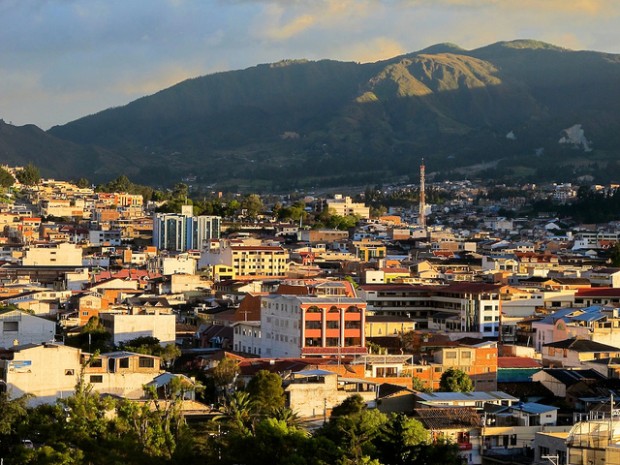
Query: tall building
(170,232)
(179,232)
(312,326)
(204,228)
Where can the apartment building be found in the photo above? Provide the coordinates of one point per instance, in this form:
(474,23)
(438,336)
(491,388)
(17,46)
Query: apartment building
(180,232)
(344,206)
(465,307)
(300,326)
(246,260)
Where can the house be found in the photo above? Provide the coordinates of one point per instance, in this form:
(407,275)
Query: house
(475,399)
(51,371)
(314,392)
(573,352)
(47,371)
(52,254)
(597,323)
(458,425)
(560,381)
(18,328)
(125,327)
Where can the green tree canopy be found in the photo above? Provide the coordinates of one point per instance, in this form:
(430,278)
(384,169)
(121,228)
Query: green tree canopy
(83,183)
(224,374)
(455,380)
(253,205)
(266,391)
(29,176)
(6,178)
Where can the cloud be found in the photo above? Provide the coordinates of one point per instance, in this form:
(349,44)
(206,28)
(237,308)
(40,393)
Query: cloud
(284,20)
(61,59)
(165,76)
(379,48)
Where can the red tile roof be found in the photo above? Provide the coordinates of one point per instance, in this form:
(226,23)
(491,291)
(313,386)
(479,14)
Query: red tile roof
(517,362)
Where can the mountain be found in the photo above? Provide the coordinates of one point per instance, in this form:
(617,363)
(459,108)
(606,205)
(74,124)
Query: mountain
(300,123)
(55,157)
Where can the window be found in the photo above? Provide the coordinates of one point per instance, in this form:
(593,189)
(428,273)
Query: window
(123,363)
(69,372)
(145,362)
(466,354)
(451,355)
(96,378)
(96,363)
(10,326)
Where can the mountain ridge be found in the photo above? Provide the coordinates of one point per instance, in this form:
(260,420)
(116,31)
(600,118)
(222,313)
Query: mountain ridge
(303,122)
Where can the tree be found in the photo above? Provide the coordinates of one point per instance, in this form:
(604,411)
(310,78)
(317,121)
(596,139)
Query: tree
(397,439)
(253,205)
(614,255)
(273,443)
(13,412)
(82,183)
(6,178)
(224,374)
(29,175)
(93,337)
(266,391)
(353,428)
(236,414)
(455,380)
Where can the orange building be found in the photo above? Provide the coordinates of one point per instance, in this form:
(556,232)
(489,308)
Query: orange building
(479,361)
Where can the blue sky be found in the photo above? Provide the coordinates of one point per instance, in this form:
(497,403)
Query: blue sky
(63,59)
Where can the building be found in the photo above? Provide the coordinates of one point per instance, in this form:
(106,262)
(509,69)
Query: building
(573,352)
(301,326)
(312,393)
(52,254)
(179,232)
(111,237)
(254,261)
(462,307)
(125,327)
(595,442)
(344,206)
(17,328)
(51,371)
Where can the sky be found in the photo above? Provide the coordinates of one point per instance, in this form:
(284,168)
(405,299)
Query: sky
(64,59)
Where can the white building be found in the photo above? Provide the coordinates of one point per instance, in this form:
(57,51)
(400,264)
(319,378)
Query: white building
(52,254)
(51,371)
(247,337)
(178,264)
(100,237)
(127,327)
(17,327)
(181,232)
(344,206)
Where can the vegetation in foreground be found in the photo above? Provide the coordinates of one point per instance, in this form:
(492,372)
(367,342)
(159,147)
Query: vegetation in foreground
(252,427)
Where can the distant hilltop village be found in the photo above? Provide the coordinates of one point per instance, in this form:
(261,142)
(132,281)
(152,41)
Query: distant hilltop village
(489,313)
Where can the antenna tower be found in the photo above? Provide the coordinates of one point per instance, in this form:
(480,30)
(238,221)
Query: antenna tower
(421,213)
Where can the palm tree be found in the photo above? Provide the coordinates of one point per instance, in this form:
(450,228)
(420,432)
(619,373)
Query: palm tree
(288,416)
(237,412)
